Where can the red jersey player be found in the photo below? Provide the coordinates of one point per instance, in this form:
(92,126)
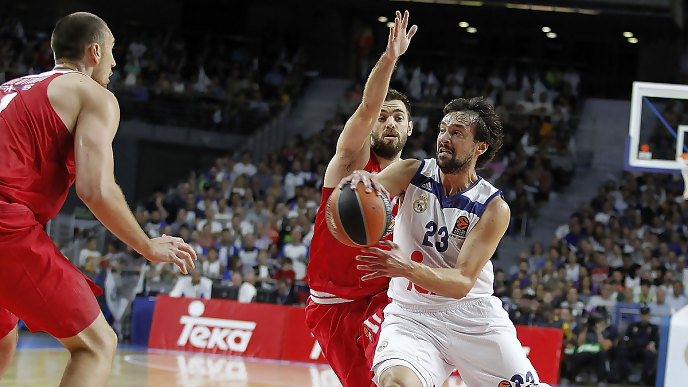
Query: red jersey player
(56,127)
(340,303)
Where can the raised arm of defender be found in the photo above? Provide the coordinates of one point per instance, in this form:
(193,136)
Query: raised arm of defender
(353,146)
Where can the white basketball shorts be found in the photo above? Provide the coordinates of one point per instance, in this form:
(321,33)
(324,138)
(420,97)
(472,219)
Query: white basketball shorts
(474,336)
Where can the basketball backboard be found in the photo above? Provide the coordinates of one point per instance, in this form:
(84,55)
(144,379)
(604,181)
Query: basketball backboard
(658,127)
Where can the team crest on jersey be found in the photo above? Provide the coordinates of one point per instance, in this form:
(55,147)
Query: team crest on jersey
(421,204)
(460,227)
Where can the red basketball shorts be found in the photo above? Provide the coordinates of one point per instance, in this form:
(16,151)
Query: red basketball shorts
(347,334)
(37,283)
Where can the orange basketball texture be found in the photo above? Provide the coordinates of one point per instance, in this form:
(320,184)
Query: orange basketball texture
(357,218)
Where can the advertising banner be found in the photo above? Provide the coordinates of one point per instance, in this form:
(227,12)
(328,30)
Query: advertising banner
(280,332)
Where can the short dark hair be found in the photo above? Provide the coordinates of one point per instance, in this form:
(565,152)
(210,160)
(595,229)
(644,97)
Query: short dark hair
(75,32)
(393,95)
(488,128)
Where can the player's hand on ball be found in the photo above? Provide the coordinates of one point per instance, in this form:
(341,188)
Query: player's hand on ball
(174,250)
(368,179)
(384,263)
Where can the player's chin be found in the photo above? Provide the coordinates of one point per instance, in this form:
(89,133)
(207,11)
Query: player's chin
(443,157)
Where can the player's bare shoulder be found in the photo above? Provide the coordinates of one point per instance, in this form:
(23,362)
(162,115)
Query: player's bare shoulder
(70,93)
(498,207)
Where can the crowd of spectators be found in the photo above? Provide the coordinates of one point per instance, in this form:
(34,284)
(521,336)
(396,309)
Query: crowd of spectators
(607,278)
(251,223)
(207,81)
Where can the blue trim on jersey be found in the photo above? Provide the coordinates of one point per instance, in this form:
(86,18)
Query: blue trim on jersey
(420,179)
(457,200)
(482,207)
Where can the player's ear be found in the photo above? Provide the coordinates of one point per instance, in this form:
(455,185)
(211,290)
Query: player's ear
(94,53)
(482,147)
(410,128)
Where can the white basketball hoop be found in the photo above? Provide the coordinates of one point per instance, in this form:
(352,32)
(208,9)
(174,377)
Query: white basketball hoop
(682,161)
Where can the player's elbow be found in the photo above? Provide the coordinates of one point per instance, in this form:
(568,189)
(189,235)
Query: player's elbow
(91,193)
(459,292)
(87,193)
(367,108)
(462,288)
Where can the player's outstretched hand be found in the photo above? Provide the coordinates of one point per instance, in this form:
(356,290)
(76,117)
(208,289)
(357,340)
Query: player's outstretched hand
(399,39)
(368,180)
(384,263)
(174,250)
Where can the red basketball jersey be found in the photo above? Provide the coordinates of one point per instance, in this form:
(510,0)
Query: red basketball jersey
(36,149)
(332,266)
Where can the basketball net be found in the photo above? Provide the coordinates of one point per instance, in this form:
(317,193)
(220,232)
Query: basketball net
(683,163)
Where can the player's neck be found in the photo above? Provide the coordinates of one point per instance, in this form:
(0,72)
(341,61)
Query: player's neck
(65,65)
(454,183)
(384,162)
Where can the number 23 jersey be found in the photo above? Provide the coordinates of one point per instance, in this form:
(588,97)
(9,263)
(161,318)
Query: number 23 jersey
(431,228)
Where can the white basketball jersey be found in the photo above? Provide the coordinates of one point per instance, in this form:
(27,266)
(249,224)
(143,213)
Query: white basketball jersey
(431,228)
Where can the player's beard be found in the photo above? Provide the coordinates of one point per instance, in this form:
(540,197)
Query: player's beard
(385,149)
(454,164)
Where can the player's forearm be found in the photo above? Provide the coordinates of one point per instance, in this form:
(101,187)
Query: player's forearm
(378,82)
(442,281)
(111,209)
(357,129)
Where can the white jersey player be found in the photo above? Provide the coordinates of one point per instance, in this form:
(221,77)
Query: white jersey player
(443,315)
(433,227)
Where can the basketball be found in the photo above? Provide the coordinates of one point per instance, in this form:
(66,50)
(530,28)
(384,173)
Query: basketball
(358,218)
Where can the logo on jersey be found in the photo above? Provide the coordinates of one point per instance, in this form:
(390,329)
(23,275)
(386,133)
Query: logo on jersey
(427,186)
(382,345)
(368,334)
(421,204)
(504,383)
(390,229)
(460,227)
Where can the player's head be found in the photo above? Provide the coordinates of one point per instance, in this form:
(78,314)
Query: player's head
(470,132)
(85,38)
(392,127)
